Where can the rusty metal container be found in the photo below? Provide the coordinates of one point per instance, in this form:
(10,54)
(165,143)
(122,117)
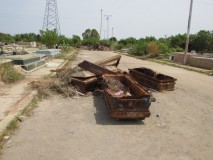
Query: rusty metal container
(132,106)
(84,85)
(152,79)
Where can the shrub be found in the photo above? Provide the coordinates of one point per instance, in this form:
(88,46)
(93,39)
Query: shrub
(118,46)
(139,49)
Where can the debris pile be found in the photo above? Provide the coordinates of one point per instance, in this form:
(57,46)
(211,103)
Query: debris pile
(124,93)
(50,86)
(56,85)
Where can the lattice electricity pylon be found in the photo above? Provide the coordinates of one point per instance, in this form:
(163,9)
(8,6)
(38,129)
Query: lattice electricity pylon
(51,19)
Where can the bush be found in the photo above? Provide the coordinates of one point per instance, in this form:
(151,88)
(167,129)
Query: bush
(153,49)
(118,46)
(8,74)
(139,49)
(165,49)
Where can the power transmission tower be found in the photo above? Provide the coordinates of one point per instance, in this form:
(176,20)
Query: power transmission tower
(101,22)
(51,19)
(188,32)
(107,18)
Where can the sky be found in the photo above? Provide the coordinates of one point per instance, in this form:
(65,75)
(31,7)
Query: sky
(135,18)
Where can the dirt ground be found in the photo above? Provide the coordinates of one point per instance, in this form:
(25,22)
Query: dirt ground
(81,129)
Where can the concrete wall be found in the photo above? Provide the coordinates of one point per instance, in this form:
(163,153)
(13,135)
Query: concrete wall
(194,60)
(178,57)
(201,62)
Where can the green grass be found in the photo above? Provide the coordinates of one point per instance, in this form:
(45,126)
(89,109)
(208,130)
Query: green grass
(8,74)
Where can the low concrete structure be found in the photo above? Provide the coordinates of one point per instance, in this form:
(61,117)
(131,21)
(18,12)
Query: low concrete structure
(205,62)
(28,44)
(49,52)
(201,62)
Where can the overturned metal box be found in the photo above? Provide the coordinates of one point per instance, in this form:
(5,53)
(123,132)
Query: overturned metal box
(84,85)
(134,105)
(151,79)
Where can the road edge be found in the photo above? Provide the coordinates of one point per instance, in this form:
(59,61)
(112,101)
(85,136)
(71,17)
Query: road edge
(25,104)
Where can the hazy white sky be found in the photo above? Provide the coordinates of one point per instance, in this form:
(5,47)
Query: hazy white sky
(137,18)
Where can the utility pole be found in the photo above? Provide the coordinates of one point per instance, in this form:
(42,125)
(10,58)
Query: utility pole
(112,31)
(188,32)
(107,18)
(101,22)
(104,34)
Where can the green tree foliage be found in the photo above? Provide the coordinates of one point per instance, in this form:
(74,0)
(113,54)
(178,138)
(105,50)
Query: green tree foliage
(91,33)
(139,49)
(49,38)
(201,42)
(113,39)
(90,37)
(76,41)
(62,40)
(7,38)
(27,37)
(178,41)
(118,46)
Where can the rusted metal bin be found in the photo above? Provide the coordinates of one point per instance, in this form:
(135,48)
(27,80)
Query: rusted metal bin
(84,85)
(152,79)
(134,105)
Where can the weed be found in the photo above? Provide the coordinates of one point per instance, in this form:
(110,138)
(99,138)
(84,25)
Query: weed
(8,74)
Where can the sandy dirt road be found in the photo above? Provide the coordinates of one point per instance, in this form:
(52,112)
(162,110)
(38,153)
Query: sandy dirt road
(81,129)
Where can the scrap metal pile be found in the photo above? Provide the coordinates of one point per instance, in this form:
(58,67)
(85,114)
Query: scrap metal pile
(127,95)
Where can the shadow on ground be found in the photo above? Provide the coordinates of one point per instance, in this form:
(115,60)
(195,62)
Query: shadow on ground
(102,115)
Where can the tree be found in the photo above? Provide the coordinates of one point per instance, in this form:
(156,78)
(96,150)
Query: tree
(49,38)
(76,41)
(178,41)
(131,40)
(6,38)
(90,37)
(113,39)
(62,40)
(91,34)
(201,40)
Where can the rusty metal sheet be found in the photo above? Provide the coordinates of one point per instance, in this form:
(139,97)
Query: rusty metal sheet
(134,106)
(96,69)
(152,79)
(84,85)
